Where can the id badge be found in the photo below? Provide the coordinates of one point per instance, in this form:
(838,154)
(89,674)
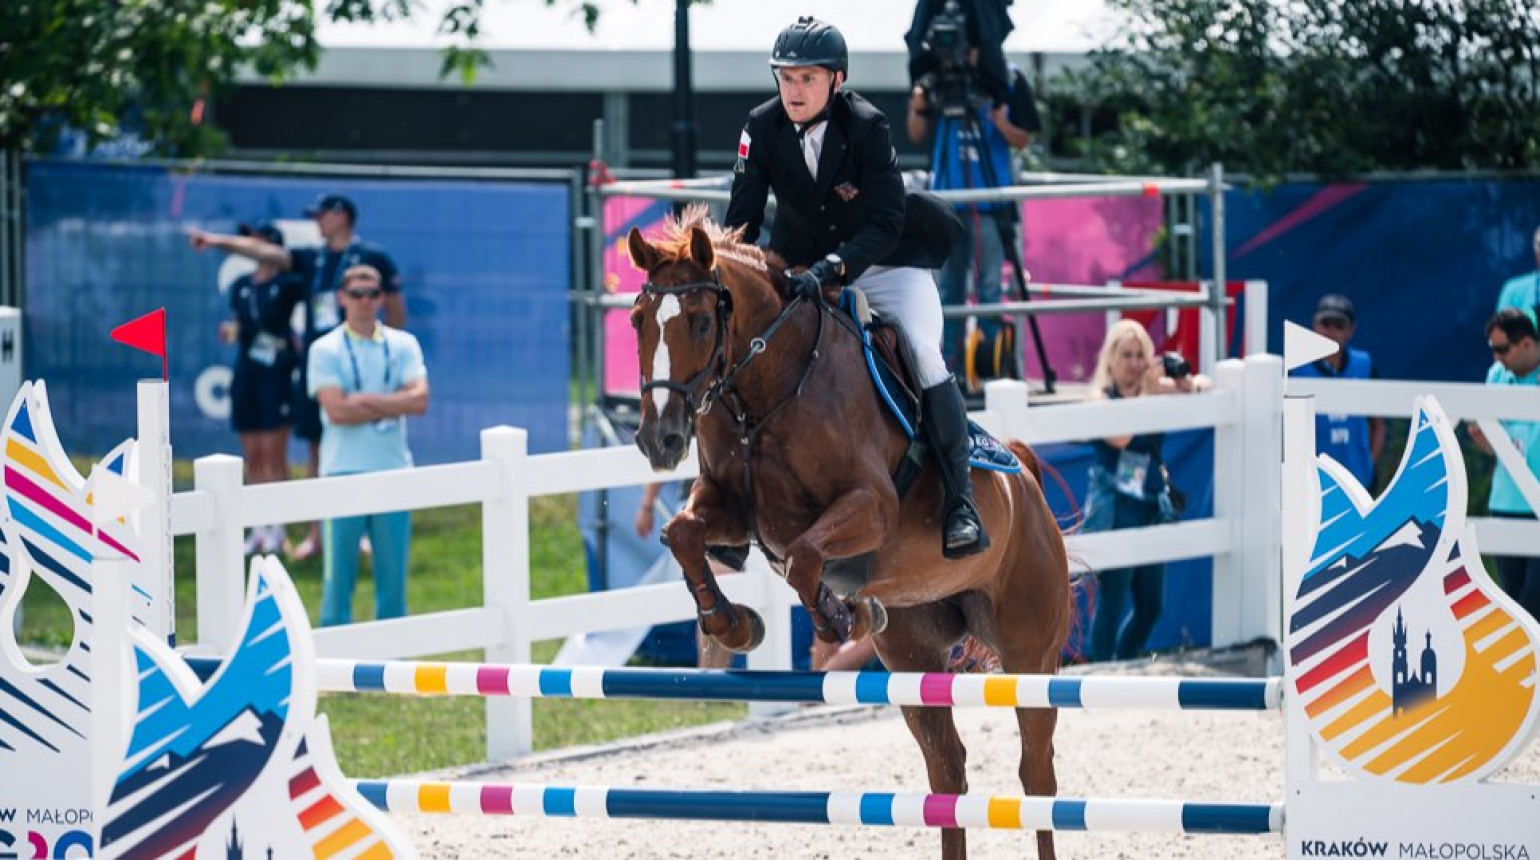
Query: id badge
(264,349)
(1133,468)
(323,310)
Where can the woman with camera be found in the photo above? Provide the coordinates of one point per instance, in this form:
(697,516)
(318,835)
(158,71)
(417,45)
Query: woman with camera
(1130,488)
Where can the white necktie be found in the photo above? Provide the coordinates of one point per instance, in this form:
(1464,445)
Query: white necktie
(810,152)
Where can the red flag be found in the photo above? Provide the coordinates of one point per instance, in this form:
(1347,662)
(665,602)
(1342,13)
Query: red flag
(147,333)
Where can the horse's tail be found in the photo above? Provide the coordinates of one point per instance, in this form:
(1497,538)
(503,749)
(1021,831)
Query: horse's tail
(1077,583)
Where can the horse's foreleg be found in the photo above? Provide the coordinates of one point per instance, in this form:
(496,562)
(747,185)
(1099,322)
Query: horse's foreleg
(857,522)
(704,520)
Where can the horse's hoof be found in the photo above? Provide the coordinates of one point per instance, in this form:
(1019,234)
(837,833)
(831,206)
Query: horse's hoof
(756,626)
(870,618)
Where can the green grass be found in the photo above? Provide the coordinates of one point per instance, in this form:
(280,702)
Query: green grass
(378,735)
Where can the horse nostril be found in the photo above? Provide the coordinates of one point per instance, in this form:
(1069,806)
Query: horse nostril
(673,443)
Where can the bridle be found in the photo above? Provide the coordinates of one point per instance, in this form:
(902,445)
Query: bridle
(691,390)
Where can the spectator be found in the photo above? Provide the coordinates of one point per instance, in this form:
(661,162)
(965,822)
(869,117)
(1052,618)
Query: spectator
(1511,335)
(261,387)
(1130,488)
(367,378)
(974,152)
(1355,441)
(320,269)
(1523,291)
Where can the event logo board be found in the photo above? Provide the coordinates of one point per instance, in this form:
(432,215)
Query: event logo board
(1410,668)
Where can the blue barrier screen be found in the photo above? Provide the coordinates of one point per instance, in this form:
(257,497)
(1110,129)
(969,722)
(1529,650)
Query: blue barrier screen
(485,269)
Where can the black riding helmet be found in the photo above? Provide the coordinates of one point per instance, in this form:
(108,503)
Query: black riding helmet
(811,42)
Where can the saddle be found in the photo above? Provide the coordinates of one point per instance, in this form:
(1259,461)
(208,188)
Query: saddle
(892,375)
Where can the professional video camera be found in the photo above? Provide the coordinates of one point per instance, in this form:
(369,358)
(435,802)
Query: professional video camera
(940,39)
(949,87)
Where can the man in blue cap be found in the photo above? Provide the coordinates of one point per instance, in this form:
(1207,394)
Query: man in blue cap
(321,270)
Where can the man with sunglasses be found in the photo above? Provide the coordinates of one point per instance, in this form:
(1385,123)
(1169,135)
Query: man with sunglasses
(1355,441)
(367,378)
(1516,361)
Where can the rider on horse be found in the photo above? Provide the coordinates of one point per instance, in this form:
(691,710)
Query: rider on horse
(828,155)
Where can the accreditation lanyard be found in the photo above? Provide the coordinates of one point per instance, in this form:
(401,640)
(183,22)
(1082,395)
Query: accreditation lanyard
(321,292)
(358,377)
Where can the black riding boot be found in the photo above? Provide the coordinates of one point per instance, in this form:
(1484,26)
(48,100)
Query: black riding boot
(946,417)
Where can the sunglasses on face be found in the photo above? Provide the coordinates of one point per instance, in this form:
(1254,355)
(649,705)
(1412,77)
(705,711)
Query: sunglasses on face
(1332,322)
(365,294)
(1500,348)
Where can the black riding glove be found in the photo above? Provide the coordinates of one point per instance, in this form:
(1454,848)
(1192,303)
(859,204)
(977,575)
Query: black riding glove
(806,285)
(810,283)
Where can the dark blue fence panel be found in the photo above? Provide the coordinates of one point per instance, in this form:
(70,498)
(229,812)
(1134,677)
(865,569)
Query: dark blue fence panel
(1426,257)
(485,265)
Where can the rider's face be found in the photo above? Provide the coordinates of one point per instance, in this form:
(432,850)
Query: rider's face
(804,91)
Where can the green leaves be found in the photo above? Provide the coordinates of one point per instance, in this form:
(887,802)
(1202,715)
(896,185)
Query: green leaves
(150,68)
(1323,86)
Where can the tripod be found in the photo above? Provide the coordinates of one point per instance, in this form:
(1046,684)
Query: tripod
(969,131)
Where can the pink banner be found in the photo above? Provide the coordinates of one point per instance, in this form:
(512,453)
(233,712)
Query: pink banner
(621,278)
(1085,242)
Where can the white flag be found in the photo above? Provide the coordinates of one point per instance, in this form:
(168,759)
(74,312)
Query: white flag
(113,496)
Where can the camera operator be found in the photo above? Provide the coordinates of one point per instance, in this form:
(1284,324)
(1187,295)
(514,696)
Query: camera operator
(973,151)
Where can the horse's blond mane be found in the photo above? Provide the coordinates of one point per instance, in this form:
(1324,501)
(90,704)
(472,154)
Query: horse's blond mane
(674,241)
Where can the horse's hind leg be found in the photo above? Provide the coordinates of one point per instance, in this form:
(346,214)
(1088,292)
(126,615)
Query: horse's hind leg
(918,639)
(734,626)
(1033,647)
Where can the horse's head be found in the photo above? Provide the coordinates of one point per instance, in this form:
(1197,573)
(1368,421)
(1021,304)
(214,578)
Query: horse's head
(680,319)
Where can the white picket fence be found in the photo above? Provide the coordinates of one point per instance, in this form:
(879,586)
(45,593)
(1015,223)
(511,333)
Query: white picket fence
(1243,536)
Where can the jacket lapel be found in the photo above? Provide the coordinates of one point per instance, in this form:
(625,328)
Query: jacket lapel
(789,150)
(830,158)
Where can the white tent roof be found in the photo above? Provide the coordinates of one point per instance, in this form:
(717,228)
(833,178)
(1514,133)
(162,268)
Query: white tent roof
(535,46)
(1042,26)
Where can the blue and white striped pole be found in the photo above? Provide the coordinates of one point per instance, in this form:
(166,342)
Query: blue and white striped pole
(874,809)
(930,689)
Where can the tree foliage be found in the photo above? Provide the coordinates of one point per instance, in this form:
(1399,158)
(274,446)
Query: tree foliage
(102,68)
(1322,86)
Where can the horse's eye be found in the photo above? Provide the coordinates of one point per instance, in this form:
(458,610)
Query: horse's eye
(700,326)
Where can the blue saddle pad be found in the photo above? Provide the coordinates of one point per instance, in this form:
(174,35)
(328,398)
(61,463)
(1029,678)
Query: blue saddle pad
(986,452)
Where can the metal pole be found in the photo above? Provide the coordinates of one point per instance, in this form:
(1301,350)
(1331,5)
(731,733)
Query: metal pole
(684,94)
(1217,235)
(578,288)
(594,310)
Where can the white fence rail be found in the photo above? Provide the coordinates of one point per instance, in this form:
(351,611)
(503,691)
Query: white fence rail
(1243,536)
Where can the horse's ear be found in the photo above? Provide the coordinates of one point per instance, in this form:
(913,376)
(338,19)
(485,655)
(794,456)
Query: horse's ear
(643,255)
(701,250)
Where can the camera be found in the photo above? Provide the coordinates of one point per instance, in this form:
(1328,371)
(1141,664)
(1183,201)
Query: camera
(949,85)
(1175,365)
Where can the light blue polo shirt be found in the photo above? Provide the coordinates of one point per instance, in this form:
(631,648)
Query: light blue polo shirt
(1526,437)
(1522,292)
(380,365)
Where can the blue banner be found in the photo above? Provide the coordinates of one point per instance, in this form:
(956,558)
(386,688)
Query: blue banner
(1422,261)
(485,270)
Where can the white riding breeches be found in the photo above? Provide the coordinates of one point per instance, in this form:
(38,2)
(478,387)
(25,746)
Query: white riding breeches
(907,298)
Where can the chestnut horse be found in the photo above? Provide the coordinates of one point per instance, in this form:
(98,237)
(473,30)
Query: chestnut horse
(797,454)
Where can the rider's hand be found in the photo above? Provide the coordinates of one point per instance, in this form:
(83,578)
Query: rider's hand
(806,285)
(198,239)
